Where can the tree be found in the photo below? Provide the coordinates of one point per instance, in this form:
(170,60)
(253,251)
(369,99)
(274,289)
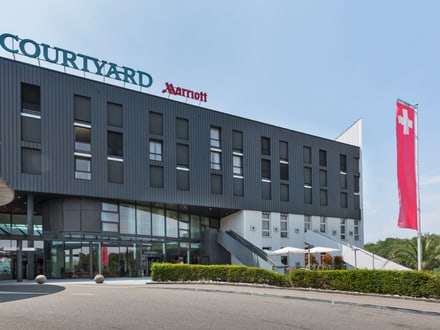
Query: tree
(407,255)
(404,251)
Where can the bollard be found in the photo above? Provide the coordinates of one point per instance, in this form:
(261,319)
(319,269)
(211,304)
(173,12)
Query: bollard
(99,279)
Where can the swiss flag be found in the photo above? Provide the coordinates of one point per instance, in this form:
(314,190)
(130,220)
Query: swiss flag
(406,167)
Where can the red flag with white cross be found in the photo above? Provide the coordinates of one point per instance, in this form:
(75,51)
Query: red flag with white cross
(406,165)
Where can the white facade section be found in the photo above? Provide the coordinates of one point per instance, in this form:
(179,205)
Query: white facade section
(249,225)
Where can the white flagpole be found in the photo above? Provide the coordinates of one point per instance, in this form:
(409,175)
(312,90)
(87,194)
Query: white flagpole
(419,230)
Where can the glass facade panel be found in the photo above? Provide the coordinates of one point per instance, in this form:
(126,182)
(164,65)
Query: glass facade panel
(127,219)
(172,225)
(143,220)
(158,222)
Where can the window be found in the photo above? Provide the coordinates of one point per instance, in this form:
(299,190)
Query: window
(343,223)
(237,165)
(266,190)
(307,223)
(307,177)
(284,171)
(307,154)
(82,108)
(307,195)
(284,151)
(30,128)
(356,184)
(343,180)
(216,160)
(182,155)
(356,165)
(83,168)
(156,123)
(265,146)
(30,113)
(158,222)
(344,202)
(284,192)
(238,186)
(323,197)
(322,224)
(265,224)
(30,161)
(143,220)
(343,163)
(182,130)
(82,138)
(127,219)
(284,225)
(215,137)
(115,168)
(30,99)
(110,217)
(356,230)
(182,178)
(323,178)
(156,176)
(322,158)
(114,114)
(216,184)
(115,146)
(156,150)
(237,141)
(265,169)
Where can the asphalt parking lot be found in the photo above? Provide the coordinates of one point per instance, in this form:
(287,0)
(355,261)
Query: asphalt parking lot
(140,303)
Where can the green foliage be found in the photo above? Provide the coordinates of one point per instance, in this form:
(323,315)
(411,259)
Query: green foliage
(403,283)
(404,251)
(221,273)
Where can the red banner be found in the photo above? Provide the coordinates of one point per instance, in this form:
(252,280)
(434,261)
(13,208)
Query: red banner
(406,166)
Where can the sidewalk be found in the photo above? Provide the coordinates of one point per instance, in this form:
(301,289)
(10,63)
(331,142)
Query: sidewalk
(397,303)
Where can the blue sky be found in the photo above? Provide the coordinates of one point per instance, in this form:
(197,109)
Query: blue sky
(311,66)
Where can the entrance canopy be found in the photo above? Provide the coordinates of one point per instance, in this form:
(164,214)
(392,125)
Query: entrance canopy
(6,192)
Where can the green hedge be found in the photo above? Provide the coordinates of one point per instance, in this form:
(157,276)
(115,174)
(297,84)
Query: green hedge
(222,273)
(402,283)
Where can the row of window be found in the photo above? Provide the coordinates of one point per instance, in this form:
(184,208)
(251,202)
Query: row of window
(283,229)
(146,221)
(31,152)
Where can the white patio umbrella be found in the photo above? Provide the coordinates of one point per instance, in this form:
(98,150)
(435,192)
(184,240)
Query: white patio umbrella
(321,249)
(288,250)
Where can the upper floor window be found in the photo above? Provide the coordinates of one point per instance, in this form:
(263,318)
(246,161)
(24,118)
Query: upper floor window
(182,130)
(343,163)
(307,154)
(114,114)
(156,123)
(82,108)
(30,99)
(265,146)
(237,165)
(115,145)
(155,150)
(215,137)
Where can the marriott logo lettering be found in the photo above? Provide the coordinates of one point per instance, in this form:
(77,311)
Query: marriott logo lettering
(199,96)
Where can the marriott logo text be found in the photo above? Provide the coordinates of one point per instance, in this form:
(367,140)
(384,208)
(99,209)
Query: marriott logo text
(199,96)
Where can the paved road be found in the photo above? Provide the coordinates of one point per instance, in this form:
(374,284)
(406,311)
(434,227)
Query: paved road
(136,305)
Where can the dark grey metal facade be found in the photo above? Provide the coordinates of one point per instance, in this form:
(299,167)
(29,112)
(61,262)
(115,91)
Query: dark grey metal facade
(57,150)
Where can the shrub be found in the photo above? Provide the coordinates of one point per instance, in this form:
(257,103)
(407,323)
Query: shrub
(220,273)
(404,283)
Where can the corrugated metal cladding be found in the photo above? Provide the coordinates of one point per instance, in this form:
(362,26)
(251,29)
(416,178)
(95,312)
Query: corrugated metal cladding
(57,149)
